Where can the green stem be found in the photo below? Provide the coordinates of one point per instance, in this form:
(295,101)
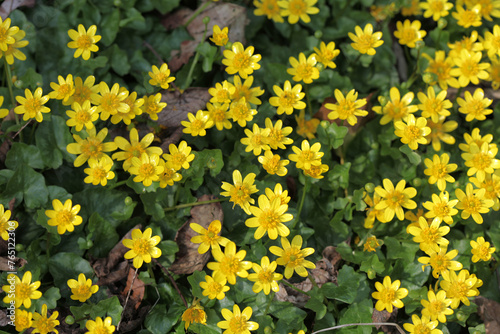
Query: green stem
(8,76)
(196,57)
(291,286)
(118,184)
(308,98)
(187,205)
(196,13)
(269,302)
(302,199)
(313,281)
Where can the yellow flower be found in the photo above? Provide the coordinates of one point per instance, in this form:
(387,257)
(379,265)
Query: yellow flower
(491,184)
(476,138)
(134,148)
(160,76)
(23,320)
(468,17)
(347,107)
(63,90)
(208,238)
(13,49)
(215,286)
(489,8)
(222,93)
(241,191)
(237,322)
(6,225)
(440,66)
(7,34)
(142,247)
(438,170)
(265,277)
(278,136)
(84,41)
(371,244)
(433,106)
(365,41)
(293,257)
(179,157)
(99,171)
(146,169)
(408,33)
(230,263)
(439,132)
(100,326)
(219,115)
(82,289)
(306,155)
(429,237)
(195,313)
(494,73)
(474,106)
(373,213)
(43,324)
(296,9)
(91,147)
(389,294)
(422,325)
(273,164)
(241,112)
(220,37)
(278,192)
(153,105)
(436,8)
(413,131)
(481,250)
(65,217)
(245,90)
(269,218)
(473,204)
(240,60)
(316,170)
(3,112)
(492,42)
(306,128)
(111,101)
(270,8)
(197,125)
(84,91)
(134,105)
(396,109)
(460,287)
(303,69)
(393,200)
(469,68)
(82,115)
(481,160)
(326,53)
(25,291)
(440,261)
(32,106)
(468,43)
(256,139)
(288,98)
(169,174)
(441,208)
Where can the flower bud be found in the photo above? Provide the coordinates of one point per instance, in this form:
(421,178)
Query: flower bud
(428,78)
(318,34)
(370,187)
(206,20)
(419,44)
(70,320)
(442,23)
(382,100)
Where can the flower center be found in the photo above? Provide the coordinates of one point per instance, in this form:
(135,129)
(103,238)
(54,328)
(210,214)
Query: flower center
(409,35)
(297,7)
(412,132)
(241,61)
(293,257)
(110,103)
(441,209)
(439,263)
(141,246)
(238,324)
(482,161)
(99,173)
(84,42)
(147,170)
(287,100)
(23,291)
(421,329)
(457,290)
(214,288)
(269,219)
(82,94)
(63,217)
(92,148)
(388,295)
(304,70)
(82,117)
(429,235)
(32,106)
(239,194)
(265,276)
(230,265)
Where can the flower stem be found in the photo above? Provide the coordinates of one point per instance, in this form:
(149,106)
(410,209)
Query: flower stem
(313,281)
(291,286)
(196,57)
(8,77)
(302,199)
(187,205)
(196,13)
(308,98)
(118,184)
(128,296)
(271,298)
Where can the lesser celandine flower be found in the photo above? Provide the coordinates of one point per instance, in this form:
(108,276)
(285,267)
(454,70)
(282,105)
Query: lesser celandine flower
(134,104)
(491,184)
(288,98)
(23,320)
(134,148)
(436,307)
(241,112)
(180,156)
(298,9)
(219,36)
(219,115)
(241,190)
(25,290)
(481,250)
(440,66)
(222,93)
(63,89)
(494,73)
(215,286)
(429,236)
(492,42)
(230,263)
(293,257)
(373,213)
(481,160)
(99,171)
(433,106)
(32,105)
(142,247)
(270,8)
(13,49)
(65,217)
(316,171)
(371,244)
(160,76)
(460,287)
(469,68)
(439,169)
(146,169)
(43,324)
(436,8)
(237,322)
(397,108)
(82,115)
(326,53)
(256,140)
(278,135)
(197,125)
(473,203)
(91,147)
(439,133)
(194,313)
(240,60)
(265,277)
(84,91)
(303,69)
(273,164)
(440,261)
(408,33)
(306,155)
(5,223)
(468,17)
(365,40)
(153,105)
(412,131)
(208,237)
(347,107)
(7,33)
(100,326)
(441,208)
(422,325)
(111,101)
(389,294)
(306,128)
(394,199)
(245,89)
(279,193)
(475,137)
(82,289)
(269,218)
(475,106)
(84,41)
(169,175)
(468,43)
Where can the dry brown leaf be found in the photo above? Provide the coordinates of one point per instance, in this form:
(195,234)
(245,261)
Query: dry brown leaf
(384,316)
(179,105)
(137,288)
(9,5)
(489,311)
(5,265)
(188,260)
(220,13)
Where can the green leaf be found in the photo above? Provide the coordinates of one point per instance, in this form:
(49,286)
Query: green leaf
(348,282)
(208,52)
(21,154)
(332,134)
(159,321)
(339,175)
(317,306)
(110,26)
(81,312)
(413,156)
(119,61)
(288,315)
(52,137)
(27,185)
(32,79)
(94,63)
(165,6)
(105,236)
(63,266)
(358,313)
(195,279)
(110,307)
(211,159)
(49,297)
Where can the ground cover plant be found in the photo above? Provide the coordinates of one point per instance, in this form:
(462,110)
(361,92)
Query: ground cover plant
(266,166)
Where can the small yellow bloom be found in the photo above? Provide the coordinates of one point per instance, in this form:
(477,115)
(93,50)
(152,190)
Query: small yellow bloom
(429,237)
(278,192)
(240,60)
(397,108)
(469,68)
(347,107)
(278,135)
(230,263)
(146,169)
(475,106)
(82,289)
(237,322)
(422,325)
(241,112)
(273,164)
(169,175)
(371,244)
(100,326)
(195,313)
(7,34)
(440,66)
(460,287)
(6,225)
(326,53)
(303,69)
(13,49)
(438,169)
(180,156)
(270,8)
(288,98)
(306,155)
(84,91)
(99,171)
(306,128)
(134,148)
(241,190)
(408,33)
(468,17)
(153,105)
(293,257)
(82,115)
(215,286)
(439,133)
(481,160)
(394,199)
(160,76)
(142,247)
(476,138)
(269,218)
(219,115)
(197,125)
(316,170)
(298,9)
(468,43)
(245,89)
(222,93)
(365,41)
(23,320)
(43,324)
(91,147)
(111,101)
(256,140)
(32,105)
(265,277)
(473,204)
(441,208)
(433,106)
(64,89)
(481,250)
(440,261)
(491,184)
(84,41)
(389,294)
(436,8)
(65,217)
(25,290)
(220,37)
(209,237)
